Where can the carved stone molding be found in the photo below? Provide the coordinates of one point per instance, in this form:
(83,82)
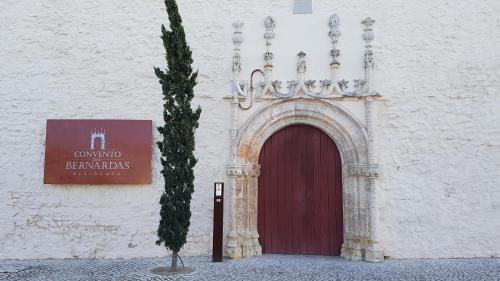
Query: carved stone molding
(364,170)
(352,141)
(237,40)
(314,103)
(269,24)
(248,170)
(330,88)
(243,238)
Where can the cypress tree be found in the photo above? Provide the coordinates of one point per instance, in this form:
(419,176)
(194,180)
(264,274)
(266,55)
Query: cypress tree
(177,145)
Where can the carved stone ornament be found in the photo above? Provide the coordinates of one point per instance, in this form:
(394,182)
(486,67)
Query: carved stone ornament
(269,24)
(303,100)
(368,34)
(237,38)
(302,86)
(367,170)
(355,142)
(245,170)
(239,88)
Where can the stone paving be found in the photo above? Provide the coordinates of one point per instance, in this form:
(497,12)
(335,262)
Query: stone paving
(267,267)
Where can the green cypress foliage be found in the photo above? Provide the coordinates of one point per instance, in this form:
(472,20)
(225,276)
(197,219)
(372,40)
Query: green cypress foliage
(177,146)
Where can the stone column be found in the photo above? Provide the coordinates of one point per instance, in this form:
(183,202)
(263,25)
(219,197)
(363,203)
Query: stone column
(232,246)
(251,246)
(242,240)
(374,250)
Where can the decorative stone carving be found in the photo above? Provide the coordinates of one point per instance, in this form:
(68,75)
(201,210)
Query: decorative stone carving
(237,40)
(272,89)
(276,85)
(234,171)
(368,34)
(238,87)
(334,35)
(328,88)
(301,86)
(343,84)
(304,101)
(368,59)
(236,62)
(250,171)
(292,84)
(335,54)
(352,139)
(269,24)
(268,57)
(242,240)
(364,170)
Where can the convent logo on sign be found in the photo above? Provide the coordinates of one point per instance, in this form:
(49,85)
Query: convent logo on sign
(98,152)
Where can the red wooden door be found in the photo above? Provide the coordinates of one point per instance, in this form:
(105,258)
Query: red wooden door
(300,193)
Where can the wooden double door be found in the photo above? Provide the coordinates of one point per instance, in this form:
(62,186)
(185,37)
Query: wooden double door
(300,193)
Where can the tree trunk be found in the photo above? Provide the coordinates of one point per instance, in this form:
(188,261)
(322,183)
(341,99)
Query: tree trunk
(173,266)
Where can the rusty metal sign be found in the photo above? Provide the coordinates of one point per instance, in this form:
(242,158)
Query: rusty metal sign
(98,152)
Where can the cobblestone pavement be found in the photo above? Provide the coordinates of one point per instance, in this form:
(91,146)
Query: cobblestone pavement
(267,267)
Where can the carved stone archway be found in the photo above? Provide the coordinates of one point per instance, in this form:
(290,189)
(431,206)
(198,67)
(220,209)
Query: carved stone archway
(359,174)
(305,103)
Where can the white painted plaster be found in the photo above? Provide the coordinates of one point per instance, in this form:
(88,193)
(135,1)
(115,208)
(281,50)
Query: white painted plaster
(439,135)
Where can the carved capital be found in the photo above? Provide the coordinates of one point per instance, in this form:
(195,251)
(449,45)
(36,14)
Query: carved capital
(251,171)
(234,171)
(364,170)
(243,171)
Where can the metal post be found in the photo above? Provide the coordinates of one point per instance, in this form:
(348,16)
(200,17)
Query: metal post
(218,221)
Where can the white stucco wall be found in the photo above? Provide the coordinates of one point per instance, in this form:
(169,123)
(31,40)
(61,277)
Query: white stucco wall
(436,66)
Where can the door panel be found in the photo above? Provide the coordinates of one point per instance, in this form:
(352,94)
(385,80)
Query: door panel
(300,193)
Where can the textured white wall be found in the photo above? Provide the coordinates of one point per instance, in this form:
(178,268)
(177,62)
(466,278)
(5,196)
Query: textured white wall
(436,66)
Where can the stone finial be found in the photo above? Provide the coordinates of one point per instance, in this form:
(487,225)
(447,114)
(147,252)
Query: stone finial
(237,40)
(368,34)
(334,23)
(334,34)
(269,24)
(237,36)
